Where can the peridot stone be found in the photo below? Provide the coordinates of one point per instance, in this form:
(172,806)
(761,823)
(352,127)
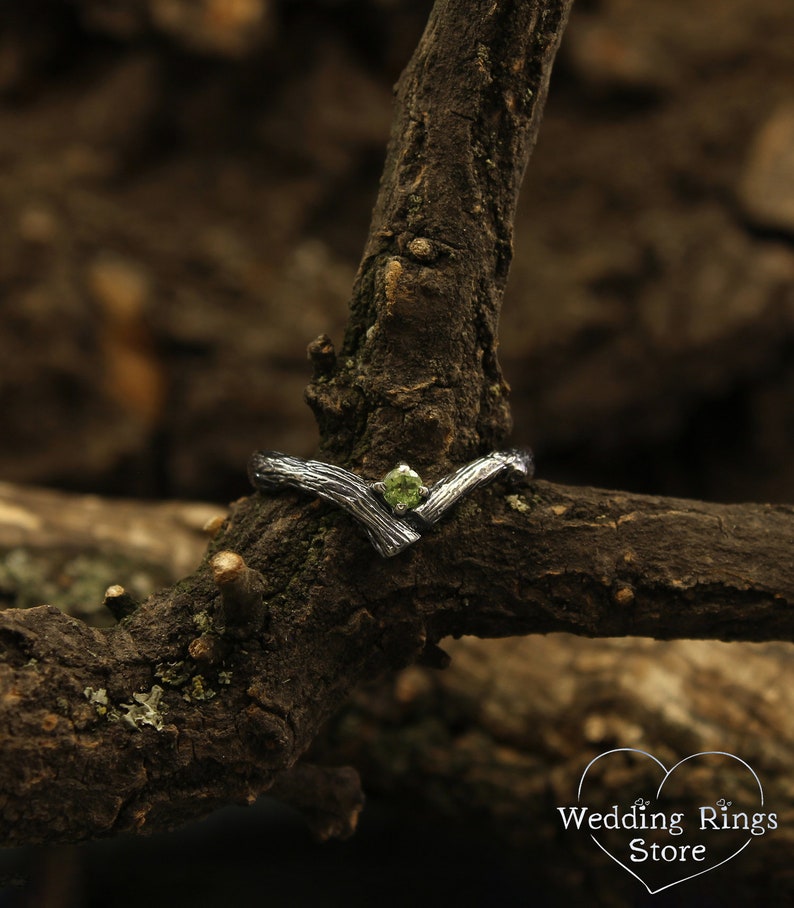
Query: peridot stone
(401,487)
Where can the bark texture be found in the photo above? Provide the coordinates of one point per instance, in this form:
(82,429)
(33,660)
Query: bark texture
(500,738)
(196,699)
(418,370)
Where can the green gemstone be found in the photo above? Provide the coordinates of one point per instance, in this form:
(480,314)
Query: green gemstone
(402,487)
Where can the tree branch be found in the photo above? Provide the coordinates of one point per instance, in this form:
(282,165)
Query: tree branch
(198,698)
(601,563)
(93,747)
(418,373)
(176,711)
(404,734)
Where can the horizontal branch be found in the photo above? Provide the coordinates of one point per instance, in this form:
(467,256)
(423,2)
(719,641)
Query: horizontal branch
(601,563)
(177,711)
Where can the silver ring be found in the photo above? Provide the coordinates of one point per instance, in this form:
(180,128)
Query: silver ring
(396,510)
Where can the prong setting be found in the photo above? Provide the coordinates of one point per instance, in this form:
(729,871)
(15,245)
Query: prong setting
(402,489)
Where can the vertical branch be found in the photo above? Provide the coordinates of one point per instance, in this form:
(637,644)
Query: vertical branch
(419,376)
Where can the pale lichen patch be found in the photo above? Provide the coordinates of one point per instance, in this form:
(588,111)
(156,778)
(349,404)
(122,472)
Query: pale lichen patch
(146,709)
(517,503)
(198,690)
(99,698)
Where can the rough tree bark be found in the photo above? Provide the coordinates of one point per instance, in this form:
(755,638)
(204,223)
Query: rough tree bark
(490,738)
(212,690)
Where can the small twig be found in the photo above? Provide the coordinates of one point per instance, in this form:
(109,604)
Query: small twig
(119,602)
(242,611)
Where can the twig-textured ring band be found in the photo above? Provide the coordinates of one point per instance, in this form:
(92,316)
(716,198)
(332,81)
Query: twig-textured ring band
(396,510)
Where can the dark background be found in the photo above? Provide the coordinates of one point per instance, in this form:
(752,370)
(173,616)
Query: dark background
(185,188)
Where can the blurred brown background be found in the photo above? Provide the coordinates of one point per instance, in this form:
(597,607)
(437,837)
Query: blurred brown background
(186,188)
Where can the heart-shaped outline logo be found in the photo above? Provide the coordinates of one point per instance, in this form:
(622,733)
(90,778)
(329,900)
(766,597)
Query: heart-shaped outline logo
(667,774)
